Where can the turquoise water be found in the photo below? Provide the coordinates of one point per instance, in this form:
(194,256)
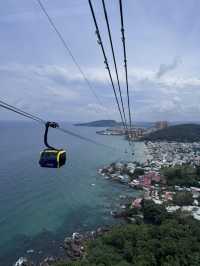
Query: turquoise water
(38,206)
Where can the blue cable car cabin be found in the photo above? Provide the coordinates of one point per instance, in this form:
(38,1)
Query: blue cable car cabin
(51,158)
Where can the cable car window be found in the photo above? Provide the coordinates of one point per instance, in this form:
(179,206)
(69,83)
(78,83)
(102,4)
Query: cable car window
(48,155)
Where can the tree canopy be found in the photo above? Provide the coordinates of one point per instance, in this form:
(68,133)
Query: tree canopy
(184,175)
(167,241)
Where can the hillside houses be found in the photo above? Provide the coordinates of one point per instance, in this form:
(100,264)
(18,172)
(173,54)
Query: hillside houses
(172,153)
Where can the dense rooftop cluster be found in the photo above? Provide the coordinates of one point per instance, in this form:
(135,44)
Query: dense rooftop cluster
(173,153)
(170,176)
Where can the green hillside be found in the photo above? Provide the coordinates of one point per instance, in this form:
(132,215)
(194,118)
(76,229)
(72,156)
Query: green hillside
(160,241)
(181,133)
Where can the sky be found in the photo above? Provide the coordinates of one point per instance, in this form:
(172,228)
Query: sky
(38,75)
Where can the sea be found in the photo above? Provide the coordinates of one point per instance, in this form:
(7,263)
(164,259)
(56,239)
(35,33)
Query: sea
(39,207)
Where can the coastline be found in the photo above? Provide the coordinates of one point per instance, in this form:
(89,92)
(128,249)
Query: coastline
(152,178)
(144,177)
(55,249)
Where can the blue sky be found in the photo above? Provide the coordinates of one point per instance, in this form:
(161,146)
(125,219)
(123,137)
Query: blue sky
(37,74)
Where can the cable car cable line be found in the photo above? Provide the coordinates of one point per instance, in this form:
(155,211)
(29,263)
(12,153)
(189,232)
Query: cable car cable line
(63,41)
(43,122)
(126,74)
(115,66)
(66,46)
(125,61)
(21,112)
(114,60)
(99,41)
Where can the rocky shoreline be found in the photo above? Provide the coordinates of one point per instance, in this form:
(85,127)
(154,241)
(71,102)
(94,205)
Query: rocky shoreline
(74,248)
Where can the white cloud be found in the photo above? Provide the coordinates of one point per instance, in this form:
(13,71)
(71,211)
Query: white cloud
(96,107)
(39,87)
(50,90)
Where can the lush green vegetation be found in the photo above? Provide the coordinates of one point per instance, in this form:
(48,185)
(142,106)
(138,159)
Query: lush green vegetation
(138,171)
(184,175)
(161,241)
(183,199)
(182,133)
(153,213)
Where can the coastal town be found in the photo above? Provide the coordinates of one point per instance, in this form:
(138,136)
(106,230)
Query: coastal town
(149,176)
(135,133)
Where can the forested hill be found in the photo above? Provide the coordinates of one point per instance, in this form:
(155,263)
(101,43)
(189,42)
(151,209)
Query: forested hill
(180,133)
(161,240)
(100,123)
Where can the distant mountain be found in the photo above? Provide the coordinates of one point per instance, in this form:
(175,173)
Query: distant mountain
(180,133)
(100,123)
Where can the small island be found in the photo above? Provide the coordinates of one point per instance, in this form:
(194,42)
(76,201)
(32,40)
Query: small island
(100,123)
(136,132)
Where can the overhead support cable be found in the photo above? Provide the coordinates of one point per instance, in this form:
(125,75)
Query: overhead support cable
(69,132)
(114,60)
(66,46)
(19,111)
(125,62)
(99,41)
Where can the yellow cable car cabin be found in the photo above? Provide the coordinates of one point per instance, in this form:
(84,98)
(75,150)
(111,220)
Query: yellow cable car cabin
(52,158)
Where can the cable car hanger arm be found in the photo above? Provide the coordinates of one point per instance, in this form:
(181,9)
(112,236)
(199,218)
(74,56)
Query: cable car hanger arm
(47,125)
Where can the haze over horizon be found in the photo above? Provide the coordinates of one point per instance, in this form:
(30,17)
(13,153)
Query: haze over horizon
(162,46)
